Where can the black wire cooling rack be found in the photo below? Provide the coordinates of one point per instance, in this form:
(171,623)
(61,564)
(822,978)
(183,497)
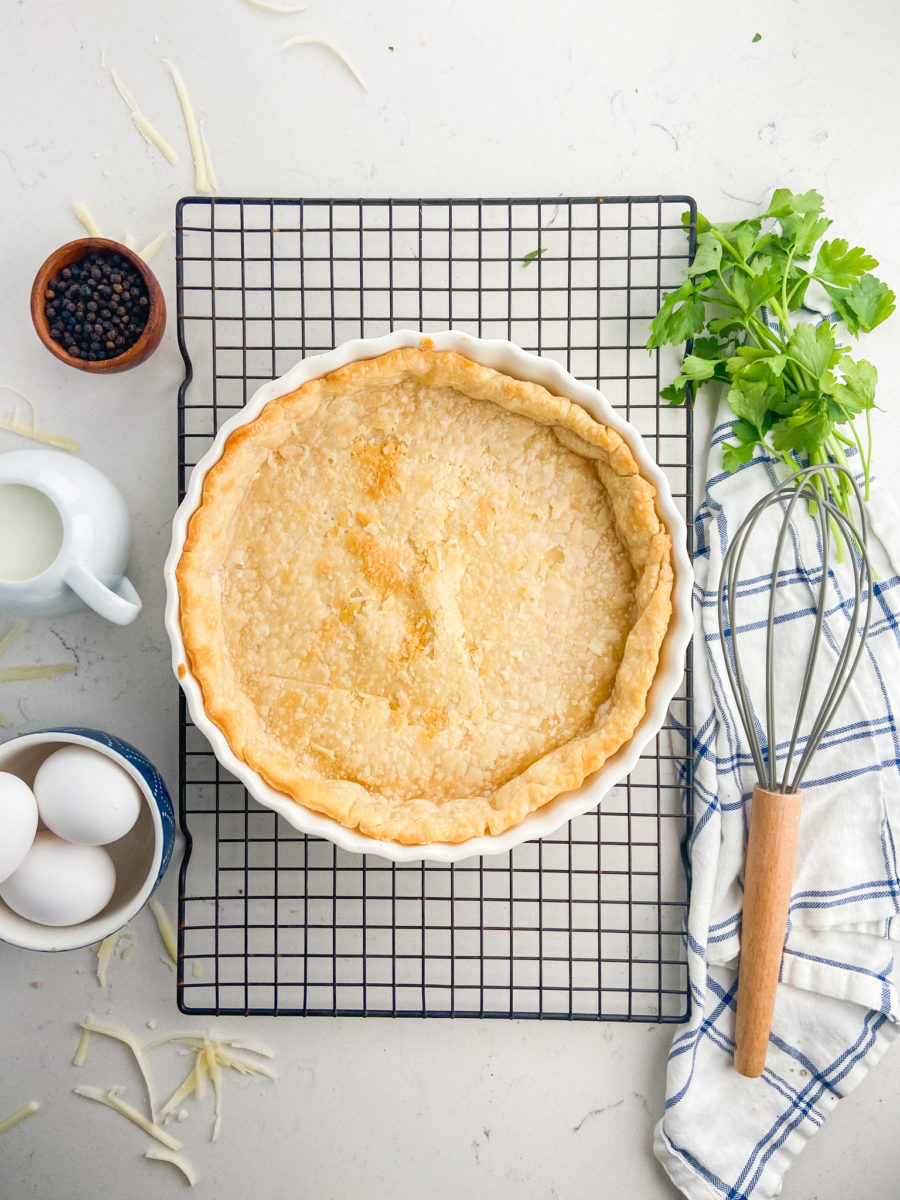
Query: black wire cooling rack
(585,924)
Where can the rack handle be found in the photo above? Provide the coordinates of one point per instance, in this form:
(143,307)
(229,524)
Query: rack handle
(768,875)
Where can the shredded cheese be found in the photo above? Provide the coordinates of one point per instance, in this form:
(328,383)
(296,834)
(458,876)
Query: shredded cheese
(215,1078)
(210,173)
(196,970)
(105,951)
(8,638)
(275,8)
(13,425)
(177,1160)
(187,1086)
(123,1035)
(81,1052)
(252,1046)
(83,213)
(166,931)
(4,721)
(131,241)
(12,422)
(306,39)
(26,1110)
(22,674)
(150,135)
(111,1100)
(201,177)
(149,251)
(210,1055)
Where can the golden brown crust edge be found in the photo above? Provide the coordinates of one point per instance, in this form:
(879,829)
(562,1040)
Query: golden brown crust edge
(350,804)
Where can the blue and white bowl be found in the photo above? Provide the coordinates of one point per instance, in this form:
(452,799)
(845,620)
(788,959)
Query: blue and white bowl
(140,857)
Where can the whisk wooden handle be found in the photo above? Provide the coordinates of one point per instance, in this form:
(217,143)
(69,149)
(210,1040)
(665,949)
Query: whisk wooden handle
(771,848)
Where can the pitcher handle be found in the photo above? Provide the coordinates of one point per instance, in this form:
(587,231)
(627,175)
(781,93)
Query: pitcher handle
(119,604)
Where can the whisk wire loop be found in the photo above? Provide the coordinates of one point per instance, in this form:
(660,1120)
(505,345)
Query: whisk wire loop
(810,485)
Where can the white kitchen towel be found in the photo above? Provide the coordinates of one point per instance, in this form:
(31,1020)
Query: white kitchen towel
(724,1136)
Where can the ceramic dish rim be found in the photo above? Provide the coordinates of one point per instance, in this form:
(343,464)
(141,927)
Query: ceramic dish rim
(506,357)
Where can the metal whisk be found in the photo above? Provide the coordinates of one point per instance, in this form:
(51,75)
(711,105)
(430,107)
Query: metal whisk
(775,815)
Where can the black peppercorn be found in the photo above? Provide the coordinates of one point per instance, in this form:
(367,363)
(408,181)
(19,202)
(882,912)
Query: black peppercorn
(96,308)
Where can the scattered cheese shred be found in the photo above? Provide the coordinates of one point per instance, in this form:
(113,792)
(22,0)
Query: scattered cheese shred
(187,1086)
(131,241)
(150,135)
(4,721)
(306,39)
(196,970)
(252,1046)
(13,425)
(12,422)
(8,638)
(81,1052)
(177,1160)
(201,177)
(22,674)
(26,1110)
(150,250)
(83,213)
(123,1035)
(210,173)
(238,1062)
(210,1055)
(166,932)
(275,8)
(111,1100)
(105,951)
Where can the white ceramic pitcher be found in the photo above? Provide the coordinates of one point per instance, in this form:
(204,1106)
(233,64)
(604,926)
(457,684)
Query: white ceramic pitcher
(64,538)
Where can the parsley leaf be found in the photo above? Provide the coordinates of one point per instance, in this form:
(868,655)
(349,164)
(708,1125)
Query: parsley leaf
(813,349)
(806,428)
(532,255)
(784,203)
(751,291)
(707,257)
(837,263)
(735,456)
(681,315)
(870,301)
(857,392)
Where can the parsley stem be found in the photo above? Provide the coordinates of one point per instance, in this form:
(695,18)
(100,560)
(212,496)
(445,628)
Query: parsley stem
(783,319)
(801,370)
(803,277)
(784,279)
(858,444)
(763,333)
(738,258)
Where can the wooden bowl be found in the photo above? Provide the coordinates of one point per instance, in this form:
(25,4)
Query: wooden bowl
(156,316)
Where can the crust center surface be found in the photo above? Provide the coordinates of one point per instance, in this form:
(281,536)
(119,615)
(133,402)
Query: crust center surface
(424,593)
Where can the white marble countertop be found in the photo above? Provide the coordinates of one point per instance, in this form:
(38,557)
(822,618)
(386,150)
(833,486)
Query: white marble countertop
(497,97)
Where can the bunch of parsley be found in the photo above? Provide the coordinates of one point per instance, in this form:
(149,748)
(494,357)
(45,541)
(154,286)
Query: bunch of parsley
(793,390)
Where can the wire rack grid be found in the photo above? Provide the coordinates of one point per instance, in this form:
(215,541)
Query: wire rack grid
(586,924)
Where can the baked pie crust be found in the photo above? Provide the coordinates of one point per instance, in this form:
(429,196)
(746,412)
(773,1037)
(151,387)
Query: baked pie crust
(423,597)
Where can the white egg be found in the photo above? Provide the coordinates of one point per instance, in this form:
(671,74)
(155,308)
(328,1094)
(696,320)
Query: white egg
(18,822)
(85,797)
(60,883)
